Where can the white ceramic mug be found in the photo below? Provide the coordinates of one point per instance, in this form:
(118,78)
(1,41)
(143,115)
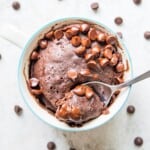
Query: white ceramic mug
(23,72)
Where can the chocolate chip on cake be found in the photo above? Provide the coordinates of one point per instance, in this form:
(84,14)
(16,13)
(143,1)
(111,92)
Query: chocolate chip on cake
(88,92)
(107,53)
(130,109)
(114,60)
(18,110)
(72,74)
(147,35)
(16,5)
(43,44)
(86,42)
(80,50)
(84,28)
(138,141)
(76,41)
(58,34)
(92,34)
(79,90)
(49,35)
(120,67)
(118,20)
(34,55)
(95,5)
(103,62)
(137,2)
(75,30)
(88,56)
(51,145)
(111,40)
(101,37)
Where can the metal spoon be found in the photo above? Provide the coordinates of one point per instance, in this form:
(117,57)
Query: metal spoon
(105,91)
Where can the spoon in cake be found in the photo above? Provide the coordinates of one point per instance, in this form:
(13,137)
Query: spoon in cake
(105,91)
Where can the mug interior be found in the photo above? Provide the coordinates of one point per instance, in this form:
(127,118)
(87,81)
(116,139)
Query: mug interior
(23,72)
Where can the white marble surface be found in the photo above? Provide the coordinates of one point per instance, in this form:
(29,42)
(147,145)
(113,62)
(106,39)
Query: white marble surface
(28,132)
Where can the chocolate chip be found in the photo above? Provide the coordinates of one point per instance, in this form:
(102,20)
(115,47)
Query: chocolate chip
(101,37)
(138,141)
(43,44)
(75,113)
(118,20)
(110,47)
(92,34)
(114,60)
(85,72)
(84,28)
(103,62)
(68,34)
(76,41)
(111,40)
(107,53)
(34,82)
(72,74)
(34,55)
(130,109)
(79,90)
(120,34)
(58,34)
(94,5)
(51,145)
(96,50)
(18,110)
(89,92)
(72,148)
(36,91)
(80,50)
(137,2)
(120,67)
(49,35)
(86,42)
(0,56)
(16,5)
(147,35)
(88,56)
(75,30)
(92,65)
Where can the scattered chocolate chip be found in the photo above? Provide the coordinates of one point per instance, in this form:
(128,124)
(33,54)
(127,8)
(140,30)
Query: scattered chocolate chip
(85,72)
(76,41)
(89,92)
(34,82)
(92,34)
(34,55)
(86,42)
(130,109)
(0,56)
(111,40)
(138,141)
(72,74)
(43,44)
(68,34)
(94,5)
(75,30)
(58,34)
(103,62)
(120,34)
(75,112)
(137,2)
(114,60)
(110,47)
(92,65)
(88,56)
(118,20)
(72,148)
(147,35)
(96,50)
(80,50)
(49,35)
(107,53)
(79,90)
(18,110)
(51,145)
(36,91)
(101,37)
(120,67)
(16,5)
(84,28)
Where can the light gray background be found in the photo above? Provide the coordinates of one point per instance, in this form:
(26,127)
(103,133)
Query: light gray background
(28,132)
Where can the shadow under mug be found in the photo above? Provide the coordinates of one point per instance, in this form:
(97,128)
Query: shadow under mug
(17,37)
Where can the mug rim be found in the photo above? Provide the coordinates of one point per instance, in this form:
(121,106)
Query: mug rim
(35,34)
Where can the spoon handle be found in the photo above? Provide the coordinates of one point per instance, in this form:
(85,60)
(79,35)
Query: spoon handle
(134,80)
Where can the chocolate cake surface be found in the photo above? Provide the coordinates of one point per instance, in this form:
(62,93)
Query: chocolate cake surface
(63,60)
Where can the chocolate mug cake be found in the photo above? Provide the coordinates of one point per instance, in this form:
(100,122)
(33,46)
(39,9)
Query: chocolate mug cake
(67,57)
